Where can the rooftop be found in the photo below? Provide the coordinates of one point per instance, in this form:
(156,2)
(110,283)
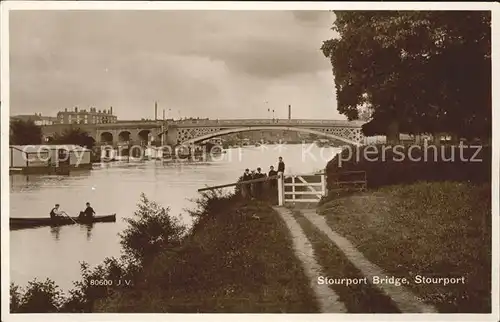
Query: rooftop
(41,147)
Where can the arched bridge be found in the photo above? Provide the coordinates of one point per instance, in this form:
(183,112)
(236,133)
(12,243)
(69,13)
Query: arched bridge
(194,131)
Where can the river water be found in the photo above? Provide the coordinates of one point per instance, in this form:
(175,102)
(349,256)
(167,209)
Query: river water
(55,253)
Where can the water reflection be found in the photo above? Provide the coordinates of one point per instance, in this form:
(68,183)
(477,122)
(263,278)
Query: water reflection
(88,229)
(116,188)
(55,231)
(23,182)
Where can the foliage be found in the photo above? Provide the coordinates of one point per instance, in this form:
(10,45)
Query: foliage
(25,132)
(408,66)
(209,203)
(233,262)
(86,292)
(149,231)
(385,165)
(38,297)
(75,136)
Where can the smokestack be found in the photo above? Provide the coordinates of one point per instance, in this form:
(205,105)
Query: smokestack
(111,110)
(156,111)
(289,112)
(164,114)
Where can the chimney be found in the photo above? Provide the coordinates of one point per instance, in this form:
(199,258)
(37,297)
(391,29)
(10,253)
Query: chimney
(156,111)
(164,114)
(111,110)
(289,112)
(65,109)
(76,109)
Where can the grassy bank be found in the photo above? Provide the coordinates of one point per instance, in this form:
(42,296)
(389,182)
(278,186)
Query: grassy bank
(439,229)
(237,260)
(237,257)
(358,298)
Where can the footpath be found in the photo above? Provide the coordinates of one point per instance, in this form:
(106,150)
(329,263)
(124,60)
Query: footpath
(342,278)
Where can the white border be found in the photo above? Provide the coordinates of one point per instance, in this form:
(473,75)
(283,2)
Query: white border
(135,5)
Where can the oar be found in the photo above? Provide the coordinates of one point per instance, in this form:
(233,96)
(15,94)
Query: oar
(70,217)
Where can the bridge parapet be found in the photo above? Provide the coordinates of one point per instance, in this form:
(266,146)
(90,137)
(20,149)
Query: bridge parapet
(246,122)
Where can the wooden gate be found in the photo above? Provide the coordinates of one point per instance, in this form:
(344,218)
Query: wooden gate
(301,188)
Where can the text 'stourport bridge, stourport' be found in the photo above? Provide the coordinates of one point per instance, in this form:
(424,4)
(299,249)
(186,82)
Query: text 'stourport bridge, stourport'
(195,131)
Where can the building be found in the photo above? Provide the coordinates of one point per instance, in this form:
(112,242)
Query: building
(45,158)
(38,119)
(82,116)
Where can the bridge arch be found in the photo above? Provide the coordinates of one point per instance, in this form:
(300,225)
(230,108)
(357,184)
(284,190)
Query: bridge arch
(143,136)
(124,136)
(106,137)
(258,128)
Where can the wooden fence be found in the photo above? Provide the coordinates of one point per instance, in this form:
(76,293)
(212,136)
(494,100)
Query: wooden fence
(306,187)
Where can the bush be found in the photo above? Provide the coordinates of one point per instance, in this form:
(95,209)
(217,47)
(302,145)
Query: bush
(151,230)
(38,297)
(384,168)
(86,292)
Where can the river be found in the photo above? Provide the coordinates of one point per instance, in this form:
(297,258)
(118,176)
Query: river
(55,253)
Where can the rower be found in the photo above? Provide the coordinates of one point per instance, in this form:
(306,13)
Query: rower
(56,212)
(88,212)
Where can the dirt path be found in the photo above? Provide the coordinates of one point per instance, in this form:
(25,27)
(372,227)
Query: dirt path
(406,301)
(328,300)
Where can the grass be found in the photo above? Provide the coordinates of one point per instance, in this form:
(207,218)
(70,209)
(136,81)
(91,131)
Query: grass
(360,298)
(440,229)
(239,260)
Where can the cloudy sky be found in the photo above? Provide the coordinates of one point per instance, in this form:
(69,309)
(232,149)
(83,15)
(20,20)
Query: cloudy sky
(217,64)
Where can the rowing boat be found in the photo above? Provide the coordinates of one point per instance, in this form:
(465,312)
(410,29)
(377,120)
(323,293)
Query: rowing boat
(19,223)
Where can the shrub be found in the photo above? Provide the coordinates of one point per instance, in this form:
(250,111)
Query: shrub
(385,168)
(38,297)
(86,292)
(150,230)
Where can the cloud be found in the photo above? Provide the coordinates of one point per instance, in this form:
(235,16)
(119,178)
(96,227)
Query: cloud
(204,63)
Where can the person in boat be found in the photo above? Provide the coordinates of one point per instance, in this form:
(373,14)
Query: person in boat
(88,212)
(56,212)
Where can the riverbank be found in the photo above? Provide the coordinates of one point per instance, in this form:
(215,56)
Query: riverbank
(237,257)
(417,231)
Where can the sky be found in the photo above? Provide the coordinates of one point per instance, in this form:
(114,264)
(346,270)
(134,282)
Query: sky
(215,64)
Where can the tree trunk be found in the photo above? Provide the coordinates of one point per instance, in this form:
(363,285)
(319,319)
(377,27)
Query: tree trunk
(393,132)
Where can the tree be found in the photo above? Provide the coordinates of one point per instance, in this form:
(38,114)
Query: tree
(25,132)
(419,72)
(75,136)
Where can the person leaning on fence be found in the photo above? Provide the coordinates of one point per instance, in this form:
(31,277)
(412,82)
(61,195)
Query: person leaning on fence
(245,188)
(259,186)
(252,185)
(273,182)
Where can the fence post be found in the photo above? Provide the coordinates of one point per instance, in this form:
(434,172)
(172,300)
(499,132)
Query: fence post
(293,188)
(280,189)
(323,185)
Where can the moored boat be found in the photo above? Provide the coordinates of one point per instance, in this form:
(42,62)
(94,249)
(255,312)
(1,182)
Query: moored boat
(19,223)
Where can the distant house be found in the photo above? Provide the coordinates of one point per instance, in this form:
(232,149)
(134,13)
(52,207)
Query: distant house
(44,158)
(38,119)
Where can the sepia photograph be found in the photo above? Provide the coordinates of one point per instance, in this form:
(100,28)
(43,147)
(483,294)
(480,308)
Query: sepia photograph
(248,159)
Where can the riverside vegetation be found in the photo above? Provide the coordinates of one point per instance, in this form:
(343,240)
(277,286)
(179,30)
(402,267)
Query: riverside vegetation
(237,257)
(417,218)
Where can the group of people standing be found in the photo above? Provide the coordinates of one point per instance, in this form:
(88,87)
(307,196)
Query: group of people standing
(257,189)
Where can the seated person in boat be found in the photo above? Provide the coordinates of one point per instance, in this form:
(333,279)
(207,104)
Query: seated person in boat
(88,212)
(56,212)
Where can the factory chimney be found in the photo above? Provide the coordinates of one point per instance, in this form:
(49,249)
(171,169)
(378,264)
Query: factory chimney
(156,111)
(289,112)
